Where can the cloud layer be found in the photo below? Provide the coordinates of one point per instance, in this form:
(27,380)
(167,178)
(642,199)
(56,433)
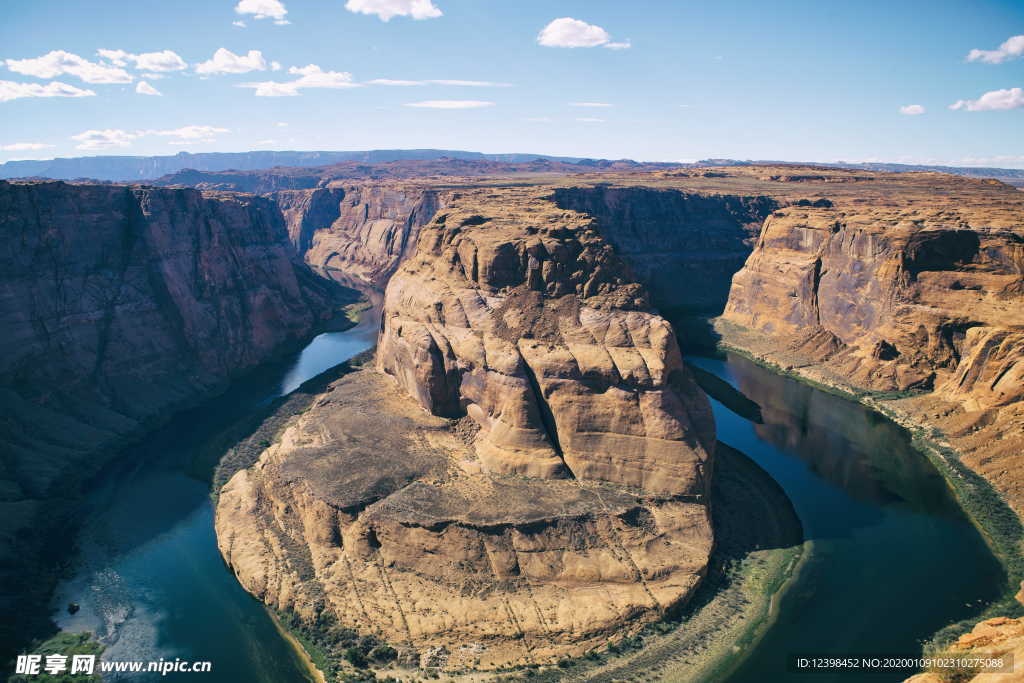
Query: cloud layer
(451,104)
(59,63)
(263,9)
(569,32)
(912,110)
(225,61)
(994,100)
(1013,47)
(144,88)
(310,76)
(388,9)
(158,62)
(111,138)
(9,90)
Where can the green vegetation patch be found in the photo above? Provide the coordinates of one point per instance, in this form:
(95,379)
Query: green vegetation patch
(67,644)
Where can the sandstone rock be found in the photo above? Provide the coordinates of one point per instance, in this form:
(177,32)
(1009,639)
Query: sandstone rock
(372,512)
(574,511)
(527,321)
(358,233)
(119,305)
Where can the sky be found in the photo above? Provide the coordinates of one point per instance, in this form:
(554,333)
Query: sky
(909,81)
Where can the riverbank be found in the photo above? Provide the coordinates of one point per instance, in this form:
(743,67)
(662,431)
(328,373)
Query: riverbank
(983,505)
(37,571)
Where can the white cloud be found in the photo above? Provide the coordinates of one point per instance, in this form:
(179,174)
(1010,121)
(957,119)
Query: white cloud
(590,119)
(144,88)
(24,146)
(538,119)
(263,9)
(389,81)
(310,76)
(152,76)
(92,140)
(270,141)
(1013,47)
(9,90)
(59,62)
(451,104)
(912,110)
(569,32)
(589,104)
(189,132)
(1009,98)
(275,66)
(239,23)
(387,9)
(281,124)
(227,62)
(163,61)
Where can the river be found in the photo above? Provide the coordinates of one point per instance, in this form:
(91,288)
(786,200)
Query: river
(891,556)
(147,575)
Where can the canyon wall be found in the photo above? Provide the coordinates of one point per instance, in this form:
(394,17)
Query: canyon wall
(357,233)
(918,295)
(675,239)
(523,477)
(120,305)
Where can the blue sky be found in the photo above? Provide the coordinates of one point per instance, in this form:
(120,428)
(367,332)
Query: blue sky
(682,80)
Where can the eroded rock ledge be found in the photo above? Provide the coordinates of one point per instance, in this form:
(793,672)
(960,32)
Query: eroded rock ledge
(531,480)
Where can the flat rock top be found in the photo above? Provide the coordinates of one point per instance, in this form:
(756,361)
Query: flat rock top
(363,441)
(494,501)
(363,444)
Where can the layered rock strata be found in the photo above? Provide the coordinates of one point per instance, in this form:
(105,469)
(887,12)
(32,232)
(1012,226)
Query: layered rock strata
(120,304)
(673,238)
(358,233)
(529,482)
(924,297)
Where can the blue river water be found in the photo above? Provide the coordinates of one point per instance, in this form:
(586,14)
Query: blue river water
(148,577)
(892,557)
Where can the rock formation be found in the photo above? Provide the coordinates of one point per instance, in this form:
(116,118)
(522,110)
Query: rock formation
(920,292)
(670,237)
(120,305)
(551,496)
(357,233)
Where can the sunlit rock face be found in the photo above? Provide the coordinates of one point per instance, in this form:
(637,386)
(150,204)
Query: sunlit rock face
(523,477)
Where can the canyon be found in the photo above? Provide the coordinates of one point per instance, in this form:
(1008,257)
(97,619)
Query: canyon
(121,305)
(521,473)
(523,315)
(552,494)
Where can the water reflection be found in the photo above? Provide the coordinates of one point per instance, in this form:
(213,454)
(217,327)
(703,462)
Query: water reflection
(866,455)
(891,558)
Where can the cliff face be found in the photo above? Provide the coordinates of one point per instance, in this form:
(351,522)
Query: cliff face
(553,494)
(673,238)
(922,292)
(120,304)
(534,327)
(891,301)
(357,233)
